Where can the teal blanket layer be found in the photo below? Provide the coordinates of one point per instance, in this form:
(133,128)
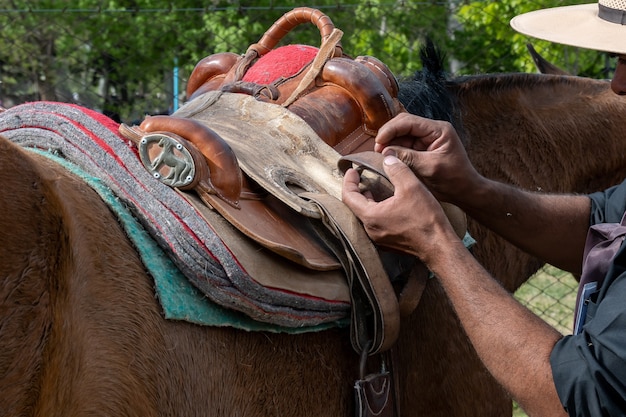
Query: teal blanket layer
(179,299)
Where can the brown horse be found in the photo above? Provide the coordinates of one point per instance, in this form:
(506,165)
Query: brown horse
(542,133)
(81,332)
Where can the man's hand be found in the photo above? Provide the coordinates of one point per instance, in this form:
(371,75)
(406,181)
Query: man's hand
(409,221)
(433,151)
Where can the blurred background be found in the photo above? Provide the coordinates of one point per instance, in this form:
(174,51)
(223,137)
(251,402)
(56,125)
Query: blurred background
(130,58)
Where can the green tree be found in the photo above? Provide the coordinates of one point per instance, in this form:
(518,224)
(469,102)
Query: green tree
(115,56)
(119,56)
(28,49)
(502,49)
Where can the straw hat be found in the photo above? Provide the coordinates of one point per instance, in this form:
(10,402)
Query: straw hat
(600,26)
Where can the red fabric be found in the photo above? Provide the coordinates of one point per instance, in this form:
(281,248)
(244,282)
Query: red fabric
(284,61)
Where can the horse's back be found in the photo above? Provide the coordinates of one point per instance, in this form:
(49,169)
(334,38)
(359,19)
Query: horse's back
(30,234)
(67,273)
(548,133)
(81,331)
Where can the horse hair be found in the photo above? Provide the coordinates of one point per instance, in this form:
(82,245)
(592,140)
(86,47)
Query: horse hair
(424,92)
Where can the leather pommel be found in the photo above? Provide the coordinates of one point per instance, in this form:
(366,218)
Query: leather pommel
(364,86)
(381,71)
(348,97)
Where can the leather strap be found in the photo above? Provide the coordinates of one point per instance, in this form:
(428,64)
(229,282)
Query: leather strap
(276,33)
(375,313)
(291,19)
(411,293)
(374,396)
(376,392)
(325,53)
(603,242)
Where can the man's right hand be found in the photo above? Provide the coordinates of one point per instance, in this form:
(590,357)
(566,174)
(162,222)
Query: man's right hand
(433,151)
(409,221)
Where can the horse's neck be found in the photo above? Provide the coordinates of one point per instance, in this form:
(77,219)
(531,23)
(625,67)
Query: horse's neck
(544,132)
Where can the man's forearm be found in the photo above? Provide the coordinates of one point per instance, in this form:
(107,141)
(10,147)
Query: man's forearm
(551,227)
(513,343)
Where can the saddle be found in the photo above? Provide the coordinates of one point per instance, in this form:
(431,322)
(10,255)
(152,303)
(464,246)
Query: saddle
(267,157)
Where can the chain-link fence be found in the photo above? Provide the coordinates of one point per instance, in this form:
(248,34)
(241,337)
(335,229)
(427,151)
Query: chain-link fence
(132,58)
(551,293)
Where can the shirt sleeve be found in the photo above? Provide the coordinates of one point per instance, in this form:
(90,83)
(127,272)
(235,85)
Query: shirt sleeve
(608,206)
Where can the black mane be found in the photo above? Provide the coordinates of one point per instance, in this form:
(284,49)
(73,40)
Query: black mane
(425,93)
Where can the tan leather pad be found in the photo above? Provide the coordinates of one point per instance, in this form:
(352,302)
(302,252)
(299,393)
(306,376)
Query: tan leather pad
(268,269)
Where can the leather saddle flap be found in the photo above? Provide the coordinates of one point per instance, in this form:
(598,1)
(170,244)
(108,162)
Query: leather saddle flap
(274,271)
(274,147)
(284,156)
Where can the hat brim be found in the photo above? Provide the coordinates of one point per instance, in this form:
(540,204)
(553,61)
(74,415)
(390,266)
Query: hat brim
(577,26)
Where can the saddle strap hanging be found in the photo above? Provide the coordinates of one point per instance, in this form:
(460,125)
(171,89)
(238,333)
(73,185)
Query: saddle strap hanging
(376,392)
(374,396)
(375,313)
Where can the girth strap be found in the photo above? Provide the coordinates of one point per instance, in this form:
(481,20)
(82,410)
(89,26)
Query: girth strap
(375,314)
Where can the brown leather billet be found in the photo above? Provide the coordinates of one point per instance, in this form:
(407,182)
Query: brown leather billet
(371,291)
(375,396)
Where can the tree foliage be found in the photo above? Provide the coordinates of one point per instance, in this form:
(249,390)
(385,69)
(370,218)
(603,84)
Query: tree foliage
(502,49)
(123,56)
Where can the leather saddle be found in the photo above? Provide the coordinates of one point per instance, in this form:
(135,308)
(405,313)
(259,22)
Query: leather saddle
(269,158)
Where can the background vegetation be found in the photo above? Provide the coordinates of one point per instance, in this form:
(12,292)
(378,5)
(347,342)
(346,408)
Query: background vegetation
(128,58)
(131,57)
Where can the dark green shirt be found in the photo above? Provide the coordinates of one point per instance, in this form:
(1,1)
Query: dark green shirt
(590,368)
